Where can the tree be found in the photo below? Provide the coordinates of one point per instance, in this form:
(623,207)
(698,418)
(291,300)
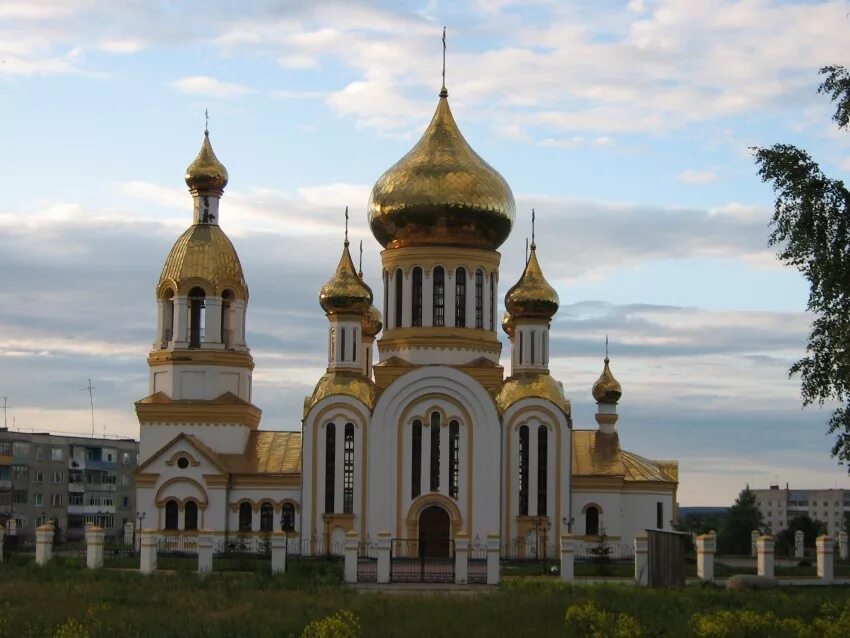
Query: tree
(601,554)
(744,516)
(811,228)
(811,530)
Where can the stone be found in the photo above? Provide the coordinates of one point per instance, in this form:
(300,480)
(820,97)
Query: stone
(743,582)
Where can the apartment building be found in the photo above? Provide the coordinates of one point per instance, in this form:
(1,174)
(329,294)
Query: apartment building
(70,480)
(779,506)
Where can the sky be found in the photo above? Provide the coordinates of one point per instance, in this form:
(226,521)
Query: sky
(626,125)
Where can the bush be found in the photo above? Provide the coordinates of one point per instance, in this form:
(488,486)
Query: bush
(342,624)
(588,621)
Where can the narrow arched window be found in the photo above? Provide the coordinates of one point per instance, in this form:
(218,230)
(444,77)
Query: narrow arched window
(479,299)
(226,329)
(399,297)
(197,298)
(460,297)
(266,517)
(659,515)
(348,470)
(454,458)
(492,301)
(330,469)
(416,297)
(171,514)
(435,451)
(545,358)
(416,459)
(439,296)
(246,515)
(542,470)
(354,344)
(520,348)
(342,344)
(167,316)
(190,516)
(287,518)
(532,339)
(523,470)
(591,521)
(386,295)
(333,345)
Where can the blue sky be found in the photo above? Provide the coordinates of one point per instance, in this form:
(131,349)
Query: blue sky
(626,125)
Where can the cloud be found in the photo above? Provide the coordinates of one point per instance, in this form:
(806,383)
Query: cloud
(691,176)
(212,87)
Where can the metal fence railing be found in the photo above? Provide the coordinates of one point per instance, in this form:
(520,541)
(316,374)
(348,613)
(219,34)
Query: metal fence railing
(477,562)
(726,565)
(70,554)
(230,556)
(367,562)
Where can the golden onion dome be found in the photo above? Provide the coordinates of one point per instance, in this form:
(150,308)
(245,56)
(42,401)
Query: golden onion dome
(345,292)
(607,389)
(203,253)
(338,382)
(441,193)
(532,297)
(531,385)
(372,322)
(206,173)
(508,324)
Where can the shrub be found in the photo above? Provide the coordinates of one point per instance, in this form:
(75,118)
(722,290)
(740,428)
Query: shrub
(343,624)
(588,621)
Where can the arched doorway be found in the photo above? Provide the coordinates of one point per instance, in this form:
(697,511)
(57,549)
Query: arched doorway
(434,532)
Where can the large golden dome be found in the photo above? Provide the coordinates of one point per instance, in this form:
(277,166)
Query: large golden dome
(532,297)
(372,322)
(345,292)
(441,193)
(206,173)
(203,253)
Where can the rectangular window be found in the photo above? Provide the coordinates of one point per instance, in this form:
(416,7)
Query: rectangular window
(479,299)
(39,453)
(460,297)
(56,454)
(6,448)
(58,477)
(39,476)
(659,515)
(416,460)
(20,448)
(125,501)
(20,497)
(56,500)
(75,499)
(416,314)
(20,473)
(38,499)
(125,458)
(439,296)
(125,480)
(109,478)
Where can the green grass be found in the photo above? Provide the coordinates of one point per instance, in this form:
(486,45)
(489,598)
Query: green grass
(36,601)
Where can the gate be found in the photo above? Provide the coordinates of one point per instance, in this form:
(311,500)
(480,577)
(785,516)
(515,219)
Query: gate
(477,562)
(665,558)
(422,561)
(367,562)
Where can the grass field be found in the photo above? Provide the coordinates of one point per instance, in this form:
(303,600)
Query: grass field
(64,602)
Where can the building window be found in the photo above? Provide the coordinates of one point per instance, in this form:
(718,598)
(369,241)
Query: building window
(21,497)
(56,454)
(523,470)
(287,518)
(348,470)
(20,448)
(479,299)
(591,521)
(20,473)
(435,451)
(354,344)
(532,347)
(454,458)
(416,459)
(330,469)
(416,298)
(520,347)
(246,515)
(190,520)
(492,300)
(460,297)
(125,480)
(659,515)
(542,472)
(386,295)
(197,302)
(399,297)
(125,501)
(38,499)
(266,517)
(76,499)
(125,458)
(39,476)
(56,500)
(439,296)
(58,477)
(171,514)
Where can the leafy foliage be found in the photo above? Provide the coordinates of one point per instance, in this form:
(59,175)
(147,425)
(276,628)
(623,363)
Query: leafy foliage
(811,229)
(601,554)
(343,624)
(744,516)
(589,621)
(811,530)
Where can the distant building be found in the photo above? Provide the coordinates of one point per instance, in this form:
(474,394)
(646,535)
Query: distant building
(780,506)
(71,480)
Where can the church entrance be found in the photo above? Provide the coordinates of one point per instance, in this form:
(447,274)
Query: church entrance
(428,558)
(434,533)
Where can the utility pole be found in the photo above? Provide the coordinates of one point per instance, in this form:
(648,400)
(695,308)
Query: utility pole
(91,390)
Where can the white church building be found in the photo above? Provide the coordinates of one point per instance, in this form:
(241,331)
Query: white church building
(429,437)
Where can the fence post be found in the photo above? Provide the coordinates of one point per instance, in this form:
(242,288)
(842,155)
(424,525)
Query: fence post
(799,548)
(461,558)
(147,551)
(765,556)
(129,528)
(641,566)
(842,545)
(279,551)
(493,545)
(352,543)
(825,546)
(43,544)
(384,548)
(94,547)
(706,547)
(2,535)
(205,552)
(568,557)
(754,539)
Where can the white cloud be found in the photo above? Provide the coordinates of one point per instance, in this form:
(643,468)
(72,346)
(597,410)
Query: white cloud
(212,87)
(692,176)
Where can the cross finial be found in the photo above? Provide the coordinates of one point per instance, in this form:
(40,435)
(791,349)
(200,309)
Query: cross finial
(526,250)
(443,91)
(360,267)
(346,225)
(606,347)
(533,246)
(206,122)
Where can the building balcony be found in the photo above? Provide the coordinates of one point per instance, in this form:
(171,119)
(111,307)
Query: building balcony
(101,465)
(6,459)
(91,509)
(76,463)
(5,484)
(76,488)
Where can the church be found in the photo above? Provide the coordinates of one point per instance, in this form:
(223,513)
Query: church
(416,428)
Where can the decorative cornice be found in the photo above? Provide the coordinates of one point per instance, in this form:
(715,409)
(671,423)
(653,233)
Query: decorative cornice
(199,356)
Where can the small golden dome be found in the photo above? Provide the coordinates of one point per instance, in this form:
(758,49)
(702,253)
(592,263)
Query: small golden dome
(351,384)
(345,292)
(372,322)
(607,389)
(206,173)
(537,385)
(441,193)
(508,324)
(203,253)
(532,297)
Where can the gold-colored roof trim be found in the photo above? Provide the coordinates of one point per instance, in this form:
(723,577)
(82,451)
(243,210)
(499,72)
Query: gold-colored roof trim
(525,385)
(343,383)
(598,454)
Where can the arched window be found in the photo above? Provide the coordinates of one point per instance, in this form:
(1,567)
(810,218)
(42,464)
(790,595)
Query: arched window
(542,473)
(479,299)
(245,516)
(416,459)
(416,298)
(460,297)
(287,518)
(532,339)
(266,517)
(171,514)
(348,470)
(659,515)
(354,344)
(523,470)
(591,521)
(435,451)
(190,520)
(386,295)
(226,330)
(197,298)
(333,344)
(399,297)
(342,344)
(492,301)
(330,469)
(439,296)
(167,316)
(454,458)
(520,348)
